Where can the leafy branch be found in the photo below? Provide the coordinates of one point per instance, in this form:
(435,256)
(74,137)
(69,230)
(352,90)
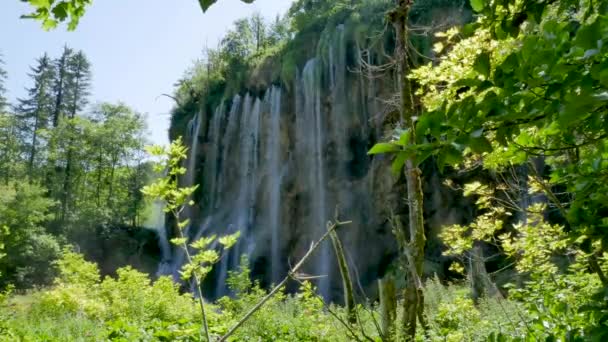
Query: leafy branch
(167,189)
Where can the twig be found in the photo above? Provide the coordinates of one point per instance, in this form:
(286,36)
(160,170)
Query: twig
(199,289)
(290,275)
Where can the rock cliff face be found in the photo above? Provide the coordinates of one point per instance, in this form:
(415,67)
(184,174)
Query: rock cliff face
(278,163)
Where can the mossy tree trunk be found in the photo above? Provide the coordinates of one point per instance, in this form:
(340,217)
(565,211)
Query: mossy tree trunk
(413,250)
(347,284)
(388,306)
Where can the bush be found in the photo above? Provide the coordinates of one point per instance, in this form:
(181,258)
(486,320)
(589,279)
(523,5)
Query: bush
(453,316)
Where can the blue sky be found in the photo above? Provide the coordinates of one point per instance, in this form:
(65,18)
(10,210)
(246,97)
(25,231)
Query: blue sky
(138,48)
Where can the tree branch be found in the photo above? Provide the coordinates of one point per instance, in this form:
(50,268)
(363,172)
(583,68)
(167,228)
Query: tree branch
(291,274)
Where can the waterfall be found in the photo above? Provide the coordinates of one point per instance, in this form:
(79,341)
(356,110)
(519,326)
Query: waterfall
(273,150)
(242,212)
(157,222)
(194,131)
(213,154)
(228,146)
(311,142)
(246,159)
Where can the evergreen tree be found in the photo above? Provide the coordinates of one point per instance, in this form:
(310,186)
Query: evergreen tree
(35,110)
(3,77)
(9,145)
(61,83)
(9,148)
(78,83)
(71,97)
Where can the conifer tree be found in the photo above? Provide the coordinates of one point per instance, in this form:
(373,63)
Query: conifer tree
(61,83)
(75,98)
(9,146)
(3,77)
(35,110)
(78,83)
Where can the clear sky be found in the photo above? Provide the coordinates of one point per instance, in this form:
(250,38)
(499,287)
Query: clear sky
(138,48)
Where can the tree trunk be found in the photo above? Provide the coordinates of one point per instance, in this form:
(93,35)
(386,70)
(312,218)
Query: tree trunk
(99,174)
(33,150)
(413,304)
(477,273)
(347,284)
(111,181)
(388,306)
(65,198)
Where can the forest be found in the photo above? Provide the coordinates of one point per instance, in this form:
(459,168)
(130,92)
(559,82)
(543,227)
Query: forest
(352,170)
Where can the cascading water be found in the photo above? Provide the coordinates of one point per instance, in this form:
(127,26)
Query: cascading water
(157,223)
(213,154)
(276,162)
(310,144)
(275,177)
(194,131)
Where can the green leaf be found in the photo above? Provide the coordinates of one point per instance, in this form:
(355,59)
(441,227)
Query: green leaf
(61,11)
(477,5)
(203,242)
(398,163)
(422,155)
(179,241)
(480,145)
(588,36)
(49,24)
(404,139)
(40,3)
(229,240)
(381,148)
(449,155)
(205,4)
(482,64)
(183,224)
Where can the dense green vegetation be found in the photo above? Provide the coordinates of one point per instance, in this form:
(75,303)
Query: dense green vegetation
(65,172)
(515,100)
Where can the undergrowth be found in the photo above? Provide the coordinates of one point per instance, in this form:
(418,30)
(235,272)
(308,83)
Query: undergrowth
(83,307)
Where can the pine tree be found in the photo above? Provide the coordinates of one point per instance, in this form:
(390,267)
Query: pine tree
(34,111)
(61,83)
(78,81)
(3,77)
(9,146)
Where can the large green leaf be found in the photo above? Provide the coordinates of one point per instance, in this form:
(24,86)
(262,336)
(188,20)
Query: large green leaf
(480,144)
(381,148)
(477,5)
(398,163)
(482,64)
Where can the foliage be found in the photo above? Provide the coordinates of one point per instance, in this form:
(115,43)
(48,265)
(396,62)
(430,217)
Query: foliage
(35,111)
(125,307)
(131,308)
(51,13)
(28,247)
(524,86)
(203,256)
(84,171)
(453,316)
(3,77)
